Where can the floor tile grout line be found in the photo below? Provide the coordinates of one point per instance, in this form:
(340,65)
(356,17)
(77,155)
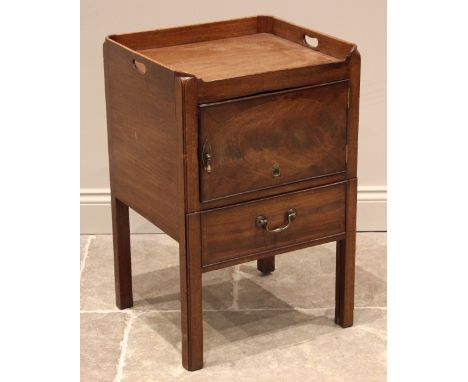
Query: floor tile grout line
(91,238)
(123,347)
(108,311)
(235,277)
(138,312)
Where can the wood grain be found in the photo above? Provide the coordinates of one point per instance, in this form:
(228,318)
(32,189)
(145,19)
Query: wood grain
(190,34)
(329,45)
(142,136)
(250,87)
(353,115)
(191,296)
(122,254)
(231,232)
(269,191)
(266,82)
(273,252)
(237,56)
(189,238)
(345,262)
(255,68)
(301,131)
(187,34)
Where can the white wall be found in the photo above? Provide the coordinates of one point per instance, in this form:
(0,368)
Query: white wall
(359,21)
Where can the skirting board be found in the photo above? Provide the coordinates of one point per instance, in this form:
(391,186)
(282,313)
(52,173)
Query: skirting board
(95,212)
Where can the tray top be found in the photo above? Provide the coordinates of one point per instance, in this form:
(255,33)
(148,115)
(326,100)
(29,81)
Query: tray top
(237,56)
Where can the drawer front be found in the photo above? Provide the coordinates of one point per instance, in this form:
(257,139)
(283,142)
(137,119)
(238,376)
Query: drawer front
(263,141)
(241,230)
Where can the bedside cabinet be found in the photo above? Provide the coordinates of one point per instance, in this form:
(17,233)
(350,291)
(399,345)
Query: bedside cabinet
(239,140)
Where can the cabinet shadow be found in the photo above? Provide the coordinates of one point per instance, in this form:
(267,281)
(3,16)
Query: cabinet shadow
(225,326)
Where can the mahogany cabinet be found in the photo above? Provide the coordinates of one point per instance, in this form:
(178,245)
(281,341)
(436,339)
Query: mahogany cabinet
(239,140)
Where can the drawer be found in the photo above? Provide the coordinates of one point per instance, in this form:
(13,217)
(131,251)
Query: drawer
(264,141)
(242,230)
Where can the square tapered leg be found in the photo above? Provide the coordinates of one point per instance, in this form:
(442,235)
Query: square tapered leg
(266,265)
(122,256)
(345,262)
(191,296)
(344,284)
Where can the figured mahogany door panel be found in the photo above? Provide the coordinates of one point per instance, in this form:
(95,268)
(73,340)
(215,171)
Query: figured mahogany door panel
(264,141)
(256,227)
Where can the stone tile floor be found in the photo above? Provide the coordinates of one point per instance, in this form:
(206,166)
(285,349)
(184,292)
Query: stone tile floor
(257,328)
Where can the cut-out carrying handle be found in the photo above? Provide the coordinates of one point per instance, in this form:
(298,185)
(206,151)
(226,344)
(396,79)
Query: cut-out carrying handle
(139,66)
(311,42)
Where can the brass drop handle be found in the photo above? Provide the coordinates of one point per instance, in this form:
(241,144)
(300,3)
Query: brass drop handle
(262,221)
(206,157)
(208,162)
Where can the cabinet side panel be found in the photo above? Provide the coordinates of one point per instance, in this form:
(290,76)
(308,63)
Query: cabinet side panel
(142,136)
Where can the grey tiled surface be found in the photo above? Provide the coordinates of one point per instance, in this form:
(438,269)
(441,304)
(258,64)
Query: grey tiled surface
(256,328)
(101,336)
(84,240)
